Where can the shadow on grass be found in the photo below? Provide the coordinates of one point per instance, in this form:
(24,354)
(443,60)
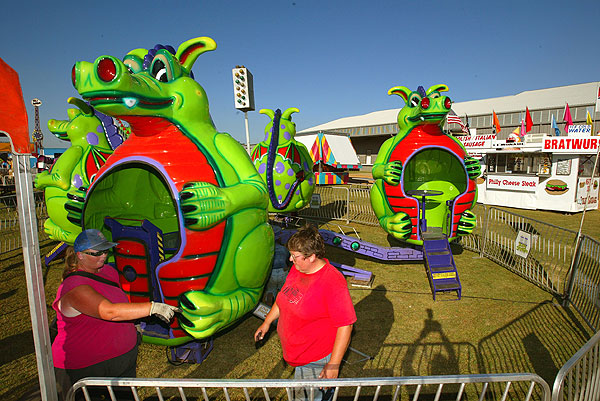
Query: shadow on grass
(541,340)
(375,318)
(16,346)
(441,362)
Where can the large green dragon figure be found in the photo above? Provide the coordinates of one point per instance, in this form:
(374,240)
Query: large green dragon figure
(424,158)
(196,185)
(88,132)
(284,163)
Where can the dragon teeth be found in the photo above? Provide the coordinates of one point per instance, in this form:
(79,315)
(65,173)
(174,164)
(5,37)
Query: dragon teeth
(130,101)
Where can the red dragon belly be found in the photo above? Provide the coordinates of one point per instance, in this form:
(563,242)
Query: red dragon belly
(179,161)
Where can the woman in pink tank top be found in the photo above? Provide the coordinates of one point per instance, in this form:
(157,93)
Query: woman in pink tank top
(96,334)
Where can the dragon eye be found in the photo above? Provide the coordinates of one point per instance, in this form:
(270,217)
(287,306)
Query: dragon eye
(133,64)
(414,100)
(159,71)
(434,95)
(107,69)
(161,68)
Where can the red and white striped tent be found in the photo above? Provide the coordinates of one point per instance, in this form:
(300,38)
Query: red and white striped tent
(333,156)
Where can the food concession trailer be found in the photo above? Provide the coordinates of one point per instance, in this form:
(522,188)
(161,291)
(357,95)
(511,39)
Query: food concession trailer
(541,172)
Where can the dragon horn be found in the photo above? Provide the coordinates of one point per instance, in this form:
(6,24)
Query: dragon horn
(59,128)
(268,112)
(438,87)
(288,112)
(188,51)
(400,91)
(83,106)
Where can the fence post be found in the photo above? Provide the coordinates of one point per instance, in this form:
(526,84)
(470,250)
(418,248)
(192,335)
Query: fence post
(573,271)
(485,230)
(347,205)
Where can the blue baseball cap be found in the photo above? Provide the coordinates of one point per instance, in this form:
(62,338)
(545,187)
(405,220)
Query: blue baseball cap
(92,239)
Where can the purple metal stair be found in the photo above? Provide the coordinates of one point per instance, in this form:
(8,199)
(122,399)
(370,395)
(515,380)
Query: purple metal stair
(439,261)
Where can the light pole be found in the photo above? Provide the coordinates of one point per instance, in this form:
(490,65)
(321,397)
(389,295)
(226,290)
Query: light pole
(243,95)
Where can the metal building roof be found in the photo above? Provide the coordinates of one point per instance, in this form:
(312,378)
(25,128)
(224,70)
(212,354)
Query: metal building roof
(580,94)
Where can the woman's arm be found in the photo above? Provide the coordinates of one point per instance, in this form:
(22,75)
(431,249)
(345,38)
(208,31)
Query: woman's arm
(270,318)
(88,301)
(340,345)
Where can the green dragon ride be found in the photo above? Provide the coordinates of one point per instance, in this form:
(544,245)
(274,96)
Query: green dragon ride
(197,186)
(284,163)
(424,158)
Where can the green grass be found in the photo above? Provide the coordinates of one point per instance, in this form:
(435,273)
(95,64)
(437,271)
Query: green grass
(502,324)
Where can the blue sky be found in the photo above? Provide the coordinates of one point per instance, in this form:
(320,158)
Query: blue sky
(329,58)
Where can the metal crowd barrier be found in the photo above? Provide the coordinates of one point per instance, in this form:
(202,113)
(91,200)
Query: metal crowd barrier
(350,204)
(548,260)
(359,205)
(584,290)
(579,378)
(521,386)
(472,242)
(333,204)
(10,234)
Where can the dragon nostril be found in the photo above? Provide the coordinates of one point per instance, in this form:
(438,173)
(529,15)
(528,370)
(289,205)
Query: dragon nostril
(425,103)
(107,69)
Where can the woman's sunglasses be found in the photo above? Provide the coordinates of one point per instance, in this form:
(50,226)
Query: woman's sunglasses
(98,253)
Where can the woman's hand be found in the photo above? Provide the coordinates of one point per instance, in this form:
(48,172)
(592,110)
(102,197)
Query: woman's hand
(330,371)
(264,328)
(261,331)
(163,311)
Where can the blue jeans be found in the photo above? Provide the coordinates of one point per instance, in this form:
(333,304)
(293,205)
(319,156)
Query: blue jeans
(310,371)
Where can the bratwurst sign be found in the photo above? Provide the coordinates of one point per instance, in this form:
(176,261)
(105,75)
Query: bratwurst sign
(571,144)
(512,183)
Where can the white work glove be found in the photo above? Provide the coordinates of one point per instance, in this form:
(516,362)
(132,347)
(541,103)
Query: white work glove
(163,311)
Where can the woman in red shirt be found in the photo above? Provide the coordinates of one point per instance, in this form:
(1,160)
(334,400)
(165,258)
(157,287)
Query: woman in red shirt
(314,309)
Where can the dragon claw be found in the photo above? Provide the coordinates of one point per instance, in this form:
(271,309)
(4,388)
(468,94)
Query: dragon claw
(204,313)
(473,167)
(186,195)
(203,205)
(398,225)
(393,172)
(74,205)
(467,223)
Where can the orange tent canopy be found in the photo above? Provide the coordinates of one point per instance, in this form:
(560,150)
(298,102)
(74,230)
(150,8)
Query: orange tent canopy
(13,116)
(5,147)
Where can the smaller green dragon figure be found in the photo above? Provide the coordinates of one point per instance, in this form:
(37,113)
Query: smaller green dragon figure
(424,158)
(89,132)
(284,163)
